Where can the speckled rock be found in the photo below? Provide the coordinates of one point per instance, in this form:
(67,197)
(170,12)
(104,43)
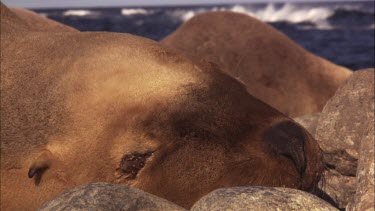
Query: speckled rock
(364,196)
(337,188)
(105,196)
(342,126)
(309,122)
(260,198)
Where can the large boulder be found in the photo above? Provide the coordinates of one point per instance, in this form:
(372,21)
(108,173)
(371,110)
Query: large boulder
(342,126)
(273,67)
(364,196)
(106,196)
(260,198)
(336,188)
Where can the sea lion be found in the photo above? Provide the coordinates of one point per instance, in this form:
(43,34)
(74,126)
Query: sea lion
(274,68)
(78,108)
(16,19)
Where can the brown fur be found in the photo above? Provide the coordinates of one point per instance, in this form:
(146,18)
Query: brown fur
(103,107)
(25,20)
(273,68)
(39,23)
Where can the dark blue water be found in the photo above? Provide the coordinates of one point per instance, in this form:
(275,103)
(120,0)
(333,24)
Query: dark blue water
(342,32)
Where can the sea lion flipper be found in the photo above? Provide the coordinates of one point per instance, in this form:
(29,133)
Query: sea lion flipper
(287,139)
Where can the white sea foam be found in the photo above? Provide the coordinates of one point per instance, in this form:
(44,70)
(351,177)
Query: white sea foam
(185,15)
(290,13)
(43,14)
(188,15)
(77,13)
(348,7)
(286,13)
(128,12)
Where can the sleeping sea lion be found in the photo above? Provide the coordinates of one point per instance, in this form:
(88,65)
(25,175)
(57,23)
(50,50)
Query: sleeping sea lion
(78,108)
(274,68)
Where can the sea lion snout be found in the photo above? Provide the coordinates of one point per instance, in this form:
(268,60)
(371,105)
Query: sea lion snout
(288,139)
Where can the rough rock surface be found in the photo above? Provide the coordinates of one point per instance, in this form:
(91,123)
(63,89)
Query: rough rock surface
(364,196)
(260,198)
(342,125)
(105,196)
(309,122)
(337,188)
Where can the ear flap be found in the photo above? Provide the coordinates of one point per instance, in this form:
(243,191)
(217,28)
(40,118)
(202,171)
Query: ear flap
(288,139)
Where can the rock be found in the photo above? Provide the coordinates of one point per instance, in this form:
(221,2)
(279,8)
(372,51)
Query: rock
(309,122)
(106,196)
(337,188)
(342,125)
(272,66)
(364,196)
(260,198)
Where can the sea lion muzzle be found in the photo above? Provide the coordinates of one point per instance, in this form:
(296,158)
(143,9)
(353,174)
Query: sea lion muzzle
(287,139)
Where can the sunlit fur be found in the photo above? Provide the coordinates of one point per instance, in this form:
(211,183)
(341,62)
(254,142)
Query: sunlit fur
(273,67)
(74,104)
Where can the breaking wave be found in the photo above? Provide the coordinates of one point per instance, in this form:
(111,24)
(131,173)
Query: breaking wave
(290,13)
(129,12)
(77,13)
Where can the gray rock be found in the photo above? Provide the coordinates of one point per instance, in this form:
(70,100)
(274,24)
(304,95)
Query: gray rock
(106,196)
(309,122)
(337,188)
(342,125)
(364,196)
(260,198)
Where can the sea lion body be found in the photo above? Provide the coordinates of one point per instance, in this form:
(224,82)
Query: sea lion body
(22,20)
(38,23)
(273,67)
(79,107)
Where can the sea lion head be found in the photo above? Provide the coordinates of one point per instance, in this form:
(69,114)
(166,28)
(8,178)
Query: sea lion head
(200,136)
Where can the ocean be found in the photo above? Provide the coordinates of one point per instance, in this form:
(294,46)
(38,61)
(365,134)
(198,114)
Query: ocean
(342,32)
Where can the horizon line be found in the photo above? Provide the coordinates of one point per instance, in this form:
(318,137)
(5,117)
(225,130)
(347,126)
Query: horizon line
(188,4)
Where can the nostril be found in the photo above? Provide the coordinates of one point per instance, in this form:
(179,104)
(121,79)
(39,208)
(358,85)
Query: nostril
(36,171)
(39,166)
(32,172)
